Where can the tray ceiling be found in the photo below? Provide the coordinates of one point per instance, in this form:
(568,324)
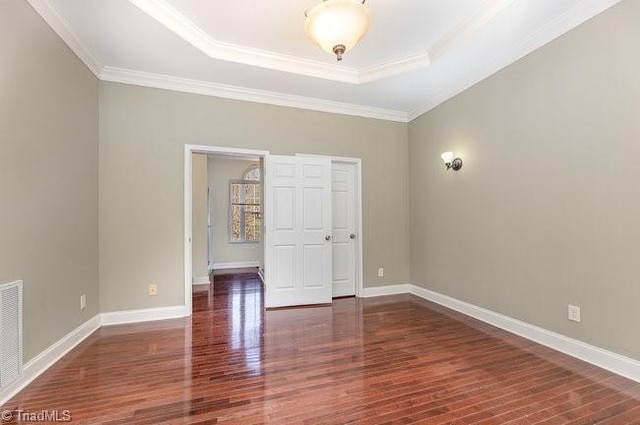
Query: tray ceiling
(417,54)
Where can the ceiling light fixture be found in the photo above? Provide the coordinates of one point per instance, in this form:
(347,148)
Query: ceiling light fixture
(337,25)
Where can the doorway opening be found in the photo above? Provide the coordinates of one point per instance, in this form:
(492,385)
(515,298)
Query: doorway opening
(234,215)
(279,188)
(222,213)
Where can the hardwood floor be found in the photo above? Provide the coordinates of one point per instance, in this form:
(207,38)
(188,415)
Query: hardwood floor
(389,360)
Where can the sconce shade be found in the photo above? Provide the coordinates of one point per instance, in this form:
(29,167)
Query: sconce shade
(337,25)
(447,157)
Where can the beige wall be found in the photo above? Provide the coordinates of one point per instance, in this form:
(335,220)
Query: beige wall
(199,216)
(543,214)
(221,171)
(545,211)
(48,176)
(142,136)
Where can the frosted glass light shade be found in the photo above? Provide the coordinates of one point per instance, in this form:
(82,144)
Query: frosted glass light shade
(447,157)
(337,25)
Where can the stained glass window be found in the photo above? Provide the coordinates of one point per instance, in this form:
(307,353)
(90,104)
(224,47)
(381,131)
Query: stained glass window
(245,214)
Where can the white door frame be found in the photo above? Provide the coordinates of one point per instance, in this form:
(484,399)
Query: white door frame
(189,150)
(209,226)
(359,246)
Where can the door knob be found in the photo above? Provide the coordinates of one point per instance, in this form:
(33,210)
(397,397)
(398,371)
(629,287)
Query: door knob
(328,238)
(352,236)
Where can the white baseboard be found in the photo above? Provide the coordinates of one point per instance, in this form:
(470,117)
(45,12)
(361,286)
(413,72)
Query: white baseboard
(147,315)
(43,361)
(616,363)
(380,291)
(608,360)
(238,265)
(201,280)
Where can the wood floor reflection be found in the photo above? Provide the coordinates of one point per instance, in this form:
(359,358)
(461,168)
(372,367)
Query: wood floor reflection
(392,359)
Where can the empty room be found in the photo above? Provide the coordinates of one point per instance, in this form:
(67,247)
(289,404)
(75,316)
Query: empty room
(320,212)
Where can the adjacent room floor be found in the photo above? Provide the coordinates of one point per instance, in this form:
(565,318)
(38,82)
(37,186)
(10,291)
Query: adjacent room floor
(395,359)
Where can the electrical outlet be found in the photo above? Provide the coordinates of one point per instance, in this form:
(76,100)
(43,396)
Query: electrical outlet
(153,290)
(574,313)
(380,272)
(83,302)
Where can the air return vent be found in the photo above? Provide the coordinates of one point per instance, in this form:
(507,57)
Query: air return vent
(10,333)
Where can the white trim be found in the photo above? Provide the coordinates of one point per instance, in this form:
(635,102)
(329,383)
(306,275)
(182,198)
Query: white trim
(189,150)
(144,315)
(201,280)
(237,265)
(188,228)
(573,17)
(61,27)
(395,67)
(47,358)
(486,11)
(221,150)
(43,361)
(383,291)
(172,19)
(183,27)
(261,276)
(205,88)
(616,363)
(576,15)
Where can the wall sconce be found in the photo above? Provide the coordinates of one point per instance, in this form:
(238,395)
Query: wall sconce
(451,162)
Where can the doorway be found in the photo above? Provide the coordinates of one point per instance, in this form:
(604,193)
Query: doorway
(348,279)
(235,213)
(189,154)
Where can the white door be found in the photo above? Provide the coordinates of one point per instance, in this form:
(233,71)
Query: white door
(297,231)
(343,202)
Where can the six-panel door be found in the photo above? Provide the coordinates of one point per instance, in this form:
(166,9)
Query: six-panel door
(298,262)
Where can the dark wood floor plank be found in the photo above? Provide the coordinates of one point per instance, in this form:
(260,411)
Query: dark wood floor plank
(392,360)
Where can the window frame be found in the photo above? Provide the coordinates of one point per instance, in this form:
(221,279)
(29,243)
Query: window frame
(243,213)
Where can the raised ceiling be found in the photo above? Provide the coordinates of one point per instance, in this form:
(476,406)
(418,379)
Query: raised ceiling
(417,54)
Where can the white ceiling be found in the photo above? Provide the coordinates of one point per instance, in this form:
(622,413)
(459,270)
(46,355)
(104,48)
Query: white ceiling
(417,54)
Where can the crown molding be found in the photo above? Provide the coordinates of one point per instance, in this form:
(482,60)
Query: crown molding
(111,74)
(182,26)
(389,69)
(573,17)
(60,26)
(488,10)
(576,15)
(168,16)
(158,81)
(175,21)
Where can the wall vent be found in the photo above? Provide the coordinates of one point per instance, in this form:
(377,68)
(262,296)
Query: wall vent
(10,333)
